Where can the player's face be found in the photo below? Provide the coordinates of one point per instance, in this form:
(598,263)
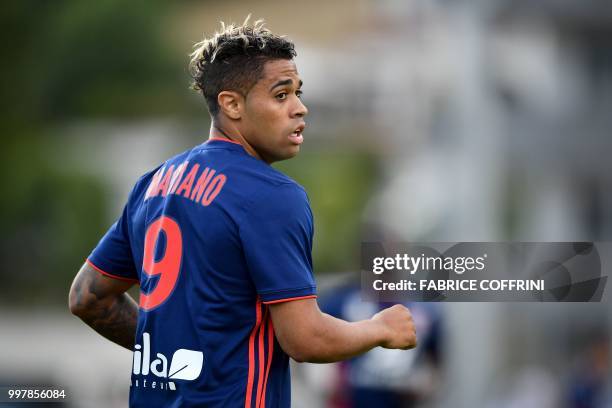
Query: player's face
(273,118)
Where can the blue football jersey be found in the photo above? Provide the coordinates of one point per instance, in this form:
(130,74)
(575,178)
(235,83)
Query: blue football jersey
(212,236)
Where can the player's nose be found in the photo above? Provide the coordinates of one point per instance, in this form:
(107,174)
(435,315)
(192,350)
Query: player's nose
(300,109)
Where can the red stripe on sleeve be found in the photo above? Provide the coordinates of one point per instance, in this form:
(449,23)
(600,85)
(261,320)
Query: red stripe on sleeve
(271,302)
(110,275)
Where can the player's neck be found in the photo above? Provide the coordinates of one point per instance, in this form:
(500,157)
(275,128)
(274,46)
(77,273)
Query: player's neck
(219,131)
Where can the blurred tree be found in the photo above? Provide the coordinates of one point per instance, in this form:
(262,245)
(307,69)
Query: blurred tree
(67,59)
(51,220)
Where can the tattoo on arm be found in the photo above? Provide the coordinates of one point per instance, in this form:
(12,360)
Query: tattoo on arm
(113,315)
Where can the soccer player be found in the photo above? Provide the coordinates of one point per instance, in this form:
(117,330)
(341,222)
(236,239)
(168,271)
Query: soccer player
(220,244)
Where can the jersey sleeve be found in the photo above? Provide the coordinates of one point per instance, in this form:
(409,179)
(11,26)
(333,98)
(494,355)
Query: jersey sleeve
(113,254)
(276,235)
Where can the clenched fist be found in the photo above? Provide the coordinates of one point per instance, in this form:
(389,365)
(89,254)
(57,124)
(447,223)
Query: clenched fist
(397,327)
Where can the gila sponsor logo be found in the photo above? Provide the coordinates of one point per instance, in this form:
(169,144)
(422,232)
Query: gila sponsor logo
(184,365)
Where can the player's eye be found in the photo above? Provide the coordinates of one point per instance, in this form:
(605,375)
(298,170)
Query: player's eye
(281,96)
(299,93)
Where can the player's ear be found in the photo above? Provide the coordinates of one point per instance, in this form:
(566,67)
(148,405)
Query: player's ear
(230,103)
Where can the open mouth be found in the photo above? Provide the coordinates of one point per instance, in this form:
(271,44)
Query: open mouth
(296,137)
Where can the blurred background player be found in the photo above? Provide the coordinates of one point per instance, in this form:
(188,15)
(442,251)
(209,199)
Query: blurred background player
(385,377)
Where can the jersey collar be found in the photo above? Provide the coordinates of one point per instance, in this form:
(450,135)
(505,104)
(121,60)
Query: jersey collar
(225,143)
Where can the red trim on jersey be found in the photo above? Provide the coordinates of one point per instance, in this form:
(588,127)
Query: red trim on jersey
(271,302)
(270,354)
(261,357)
(220,139)
(110,275)
(249,390)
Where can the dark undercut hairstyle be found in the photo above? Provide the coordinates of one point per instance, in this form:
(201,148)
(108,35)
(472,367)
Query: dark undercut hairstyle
(233,59)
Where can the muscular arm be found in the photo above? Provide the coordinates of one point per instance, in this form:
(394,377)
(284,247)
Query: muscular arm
(102,303)
(307,334)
